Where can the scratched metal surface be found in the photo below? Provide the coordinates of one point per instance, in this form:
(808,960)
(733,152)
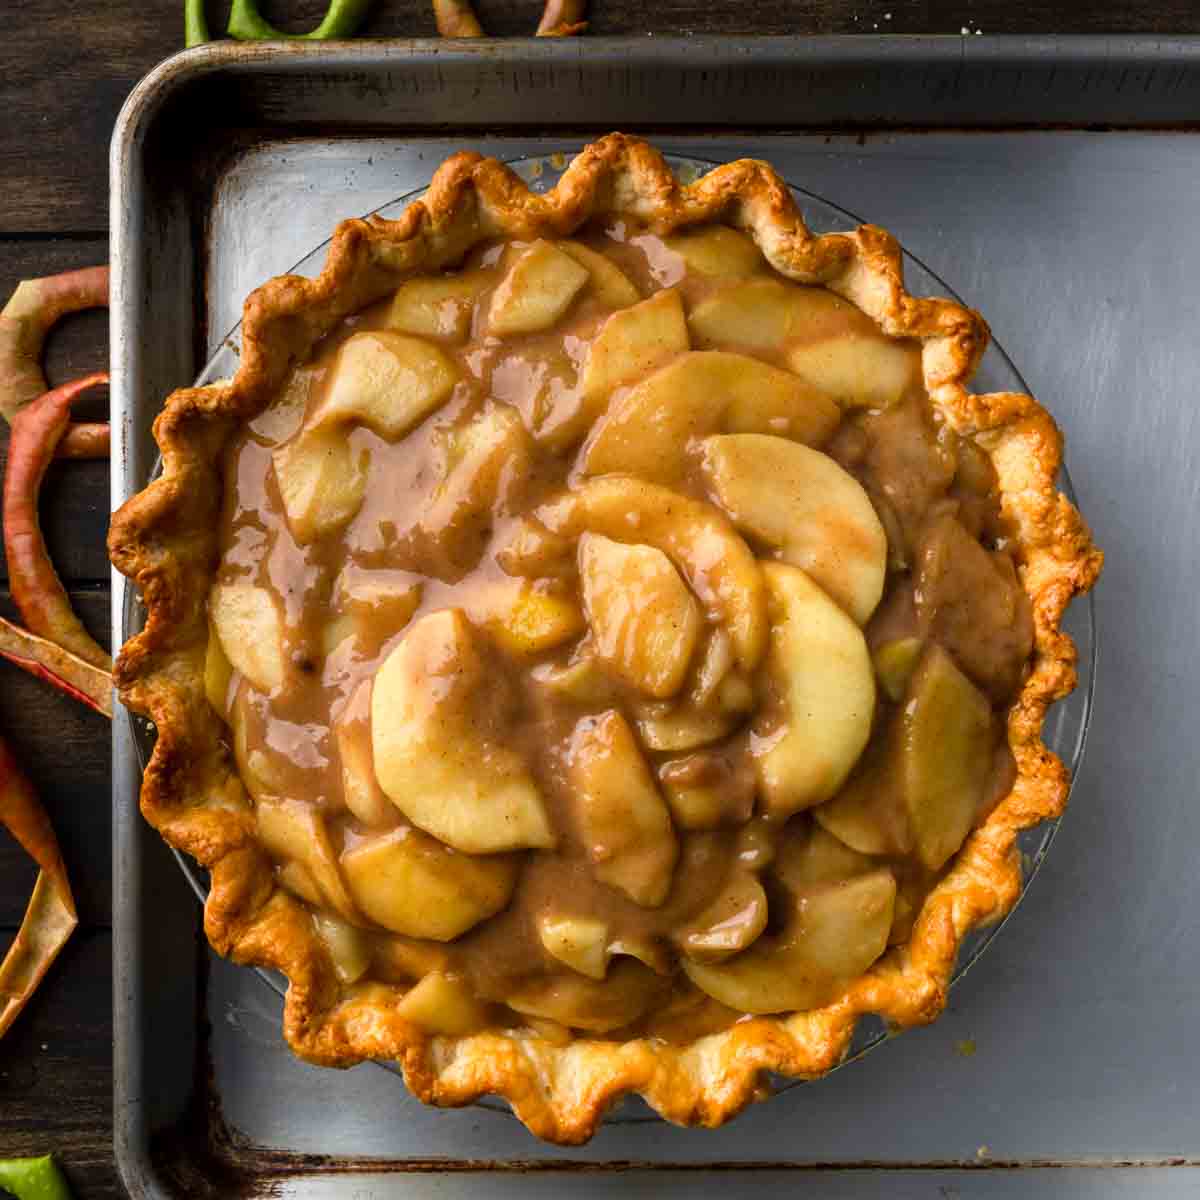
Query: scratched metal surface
(1081,249)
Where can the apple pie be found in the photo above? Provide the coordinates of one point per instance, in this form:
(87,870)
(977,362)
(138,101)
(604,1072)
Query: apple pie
(598,643)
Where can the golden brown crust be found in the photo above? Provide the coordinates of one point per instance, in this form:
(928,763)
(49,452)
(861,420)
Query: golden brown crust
(165,540)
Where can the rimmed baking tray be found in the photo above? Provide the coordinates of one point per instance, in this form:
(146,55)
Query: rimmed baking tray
(230,162)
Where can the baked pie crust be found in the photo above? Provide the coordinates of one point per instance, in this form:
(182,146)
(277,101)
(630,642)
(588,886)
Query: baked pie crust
(165,540)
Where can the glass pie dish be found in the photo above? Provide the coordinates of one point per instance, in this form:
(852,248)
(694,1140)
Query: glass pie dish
(1066,727)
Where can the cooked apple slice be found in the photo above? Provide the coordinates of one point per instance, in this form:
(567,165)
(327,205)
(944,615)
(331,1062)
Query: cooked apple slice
(815,856)
(298,880)
(291,830)
(708,789)
(321,481)
(631,343)
(718,251)
(644,621)
(372,606)
(398,959)
(730,924)
(971,601)
(443,1004)
(647,432)
(761,315)
(867,814)
(581,943)
(218,671)
(895,662)
(582,680)
(832,935)
(280,420)
(523,618)
(352,736)
(484,458)
(435,724)
(537,290)
(921,789)
(596,1006)
(410,883)
(610,285)
(386,381)
(859,370)
(250,630)
(820,666)
(347,947)
(944,746)
(682,727)
(717,564)
(438,306)
(263,772)
(623,820)
(803,504)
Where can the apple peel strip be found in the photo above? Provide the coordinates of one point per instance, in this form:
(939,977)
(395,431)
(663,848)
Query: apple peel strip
(50,916)
(36,588)
(33,309)
(60,668)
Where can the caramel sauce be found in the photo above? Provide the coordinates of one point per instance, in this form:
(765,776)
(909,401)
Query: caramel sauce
(443,541)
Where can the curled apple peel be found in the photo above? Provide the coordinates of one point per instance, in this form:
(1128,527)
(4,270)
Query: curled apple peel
(50,916)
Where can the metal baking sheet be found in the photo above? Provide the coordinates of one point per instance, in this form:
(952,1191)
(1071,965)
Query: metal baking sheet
(1067,1046)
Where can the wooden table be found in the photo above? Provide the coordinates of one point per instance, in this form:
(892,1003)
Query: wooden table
(64,71)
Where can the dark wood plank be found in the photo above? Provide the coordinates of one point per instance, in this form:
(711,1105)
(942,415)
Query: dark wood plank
(65,749)
(56,1070)
(64,71)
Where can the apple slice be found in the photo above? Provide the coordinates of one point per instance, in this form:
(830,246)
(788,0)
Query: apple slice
(729,925)
(582,681)
(815,856)
(708,790)
(867,814)
(281,419)
(644,621)
(596,1006)
(523,618)
(580,943)
(833,933)
(264,772)
(352,737)
(387,381)
(803,504)
(623,820)
(821,669)
(348,949)
(537,290)
(762,315)
(218,672)
(648,431)
(944,745)
(438,306)
(633,342)
(718,252)
(484,458)
(442,1004)
(895,662)
(609,284)
(250,630)
(436,726)
(410,883)
(859,370)
(321,481)
(683,727)
(292,830)
(716,563)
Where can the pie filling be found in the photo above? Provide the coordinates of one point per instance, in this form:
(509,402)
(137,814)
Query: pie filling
(612,639)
